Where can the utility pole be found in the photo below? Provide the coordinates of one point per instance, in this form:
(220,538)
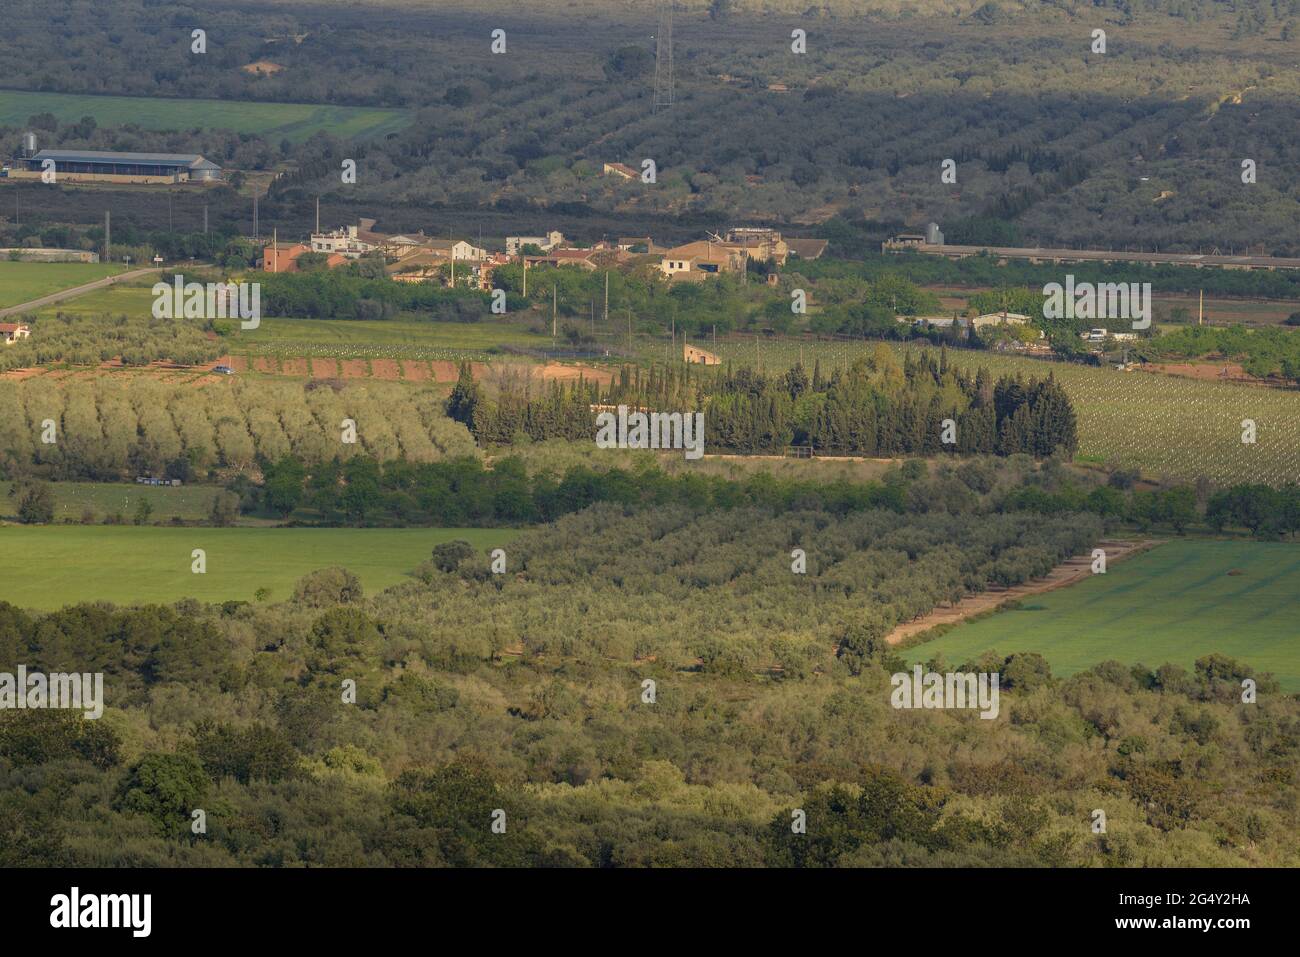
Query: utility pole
(205,219)
(256,234)
(555,298)
(606,297)
(171,228)
(525,262)
(318,215)
(275,250)
(108,237)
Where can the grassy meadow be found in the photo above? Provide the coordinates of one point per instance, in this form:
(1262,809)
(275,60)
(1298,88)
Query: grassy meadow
(24,281)
(1176,603)
(383,339)
(65,564)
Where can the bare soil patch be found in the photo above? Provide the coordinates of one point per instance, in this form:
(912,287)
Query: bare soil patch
(1209,372)
(554,371)
(385,369)
(416,370)
(446,371)
(21,373)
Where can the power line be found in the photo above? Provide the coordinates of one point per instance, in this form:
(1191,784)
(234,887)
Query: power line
(664,86)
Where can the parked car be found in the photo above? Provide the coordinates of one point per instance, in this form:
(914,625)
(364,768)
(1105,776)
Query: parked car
(223,370)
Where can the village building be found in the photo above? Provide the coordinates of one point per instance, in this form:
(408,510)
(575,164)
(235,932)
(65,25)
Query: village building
(283,257)
(353,242)
(515,244)
(761,244)
(457,249)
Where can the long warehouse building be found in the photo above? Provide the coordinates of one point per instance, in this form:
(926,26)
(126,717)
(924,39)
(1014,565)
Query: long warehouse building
(95,166)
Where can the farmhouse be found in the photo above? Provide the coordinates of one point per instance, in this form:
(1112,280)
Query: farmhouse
(11,332)
(283,257)
(997,318)
(699,356)
(760,243)
(699,260)
(75,166)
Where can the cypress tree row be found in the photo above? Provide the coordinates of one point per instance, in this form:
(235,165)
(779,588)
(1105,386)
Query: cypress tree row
(876,407)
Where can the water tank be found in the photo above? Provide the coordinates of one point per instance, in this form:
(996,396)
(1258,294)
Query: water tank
(932,235)
(29,144)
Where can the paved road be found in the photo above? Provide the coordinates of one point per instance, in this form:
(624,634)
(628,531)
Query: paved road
(54,297)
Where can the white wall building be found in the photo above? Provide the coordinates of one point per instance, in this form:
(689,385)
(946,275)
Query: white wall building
(515,244)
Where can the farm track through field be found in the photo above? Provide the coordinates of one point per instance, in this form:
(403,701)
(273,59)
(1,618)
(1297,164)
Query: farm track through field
(1069,572)
(62,294)
(303,367)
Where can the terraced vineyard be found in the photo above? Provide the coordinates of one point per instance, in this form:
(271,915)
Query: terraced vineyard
(1166,426)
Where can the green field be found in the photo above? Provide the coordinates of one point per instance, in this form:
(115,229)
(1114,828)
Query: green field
(64,564)
(294,121)
(1175,604)
(383,339)
(23,282)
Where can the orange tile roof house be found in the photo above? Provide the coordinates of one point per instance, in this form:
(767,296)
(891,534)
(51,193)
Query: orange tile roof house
(699,260)
(621,169)
(283,257)
(11,332)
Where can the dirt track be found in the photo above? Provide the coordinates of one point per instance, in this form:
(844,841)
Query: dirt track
(408,370)
(1069,572)
(75,291)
